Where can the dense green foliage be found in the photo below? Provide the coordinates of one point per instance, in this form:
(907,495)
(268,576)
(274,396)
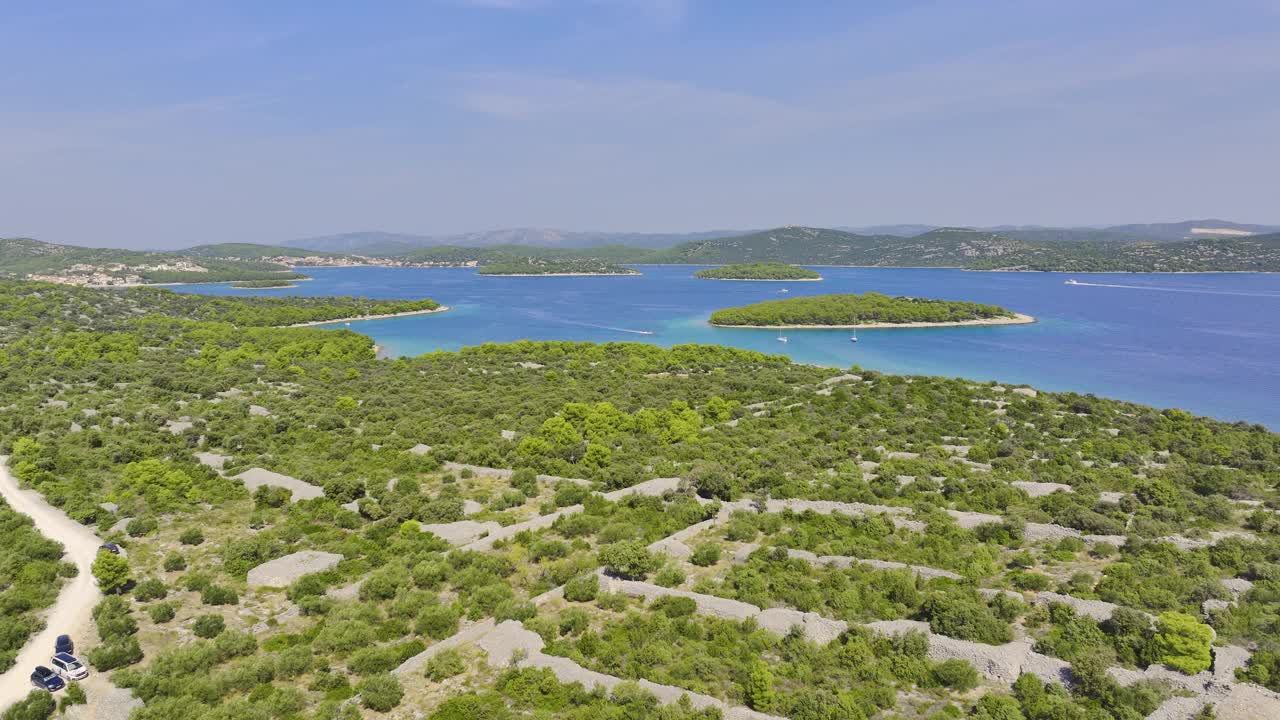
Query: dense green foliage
(94,386)
(758,271)
(865,309)
(31,572)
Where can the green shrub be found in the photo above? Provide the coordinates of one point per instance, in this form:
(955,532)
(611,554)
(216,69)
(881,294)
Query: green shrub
(380,692)
(37,705)
(149,589)
(630,560)
(138,527)
(582,588)
(444,665)
(111,571)
(669,576)
(759,687)
(219,595)
(191,536)
(161,613)
(706,554)
(956,674)
(174,562)
(438,621)
(1183,643)
(115,654)
(209,626)
(675,606)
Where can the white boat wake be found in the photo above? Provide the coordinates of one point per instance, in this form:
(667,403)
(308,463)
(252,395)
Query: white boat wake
(1192,291)
(549,318)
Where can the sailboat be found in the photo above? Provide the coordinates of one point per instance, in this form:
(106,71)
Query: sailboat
(854,338)
(781,337)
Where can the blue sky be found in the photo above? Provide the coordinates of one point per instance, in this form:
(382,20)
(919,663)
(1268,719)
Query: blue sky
(159,123)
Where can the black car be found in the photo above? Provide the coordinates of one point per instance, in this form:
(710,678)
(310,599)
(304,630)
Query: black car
(46,679)
(64,645)
(112,548)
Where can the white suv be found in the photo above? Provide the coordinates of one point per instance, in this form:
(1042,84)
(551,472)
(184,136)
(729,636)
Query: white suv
(66,665)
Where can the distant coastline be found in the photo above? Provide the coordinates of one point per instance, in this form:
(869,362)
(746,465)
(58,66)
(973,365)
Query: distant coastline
(1020,319)
(311,323)
(569,274)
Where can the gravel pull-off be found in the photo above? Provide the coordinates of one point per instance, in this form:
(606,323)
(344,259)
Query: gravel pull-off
(462,532)
(284,570)
(107,703)
(1040,489)
(420,449)
(255,478)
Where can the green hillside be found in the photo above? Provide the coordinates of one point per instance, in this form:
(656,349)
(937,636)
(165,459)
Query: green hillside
(253,251)
(946,247)
(24,257)
(979,250)
(1259,253)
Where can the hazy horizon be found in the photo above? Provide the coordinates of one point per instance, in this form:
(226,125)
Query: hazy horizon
(165,126)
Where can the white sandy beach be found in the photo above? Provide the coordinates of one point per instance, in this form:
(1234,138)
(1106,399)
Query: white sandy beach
(1020,319)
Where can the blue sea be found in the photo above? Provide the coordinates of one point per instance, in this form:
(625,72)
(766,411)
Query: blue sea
(1206,343)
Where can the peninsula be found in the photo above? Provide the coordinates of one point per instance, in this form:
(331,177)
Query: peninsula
(762,271)
(262,284)
(869,310)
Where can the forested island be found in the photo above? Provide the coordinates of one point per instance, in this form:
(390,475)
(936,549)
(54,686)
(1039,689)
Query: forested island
(534,266)
(758,271)
(312,532)
(871,310)
(262,284)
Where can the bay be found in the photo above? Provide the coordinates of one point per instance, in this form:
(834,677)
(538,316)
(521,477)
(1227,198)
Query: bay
(1206,343)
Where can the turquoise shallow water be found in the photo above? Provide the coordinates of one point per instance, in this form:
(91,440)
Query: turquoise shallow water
(1206,343)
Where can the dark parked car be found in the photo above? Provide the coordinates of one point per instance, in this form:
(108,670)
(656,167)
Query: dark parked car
(46,679)
(64,645)
(112,548)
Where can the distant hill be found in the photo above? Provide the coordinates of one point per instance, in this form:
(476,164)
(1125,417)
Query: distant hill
(1258,253)
(247,251)
(906,230)
(944,247)
(1194,228)
(25,257)
(396,244)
